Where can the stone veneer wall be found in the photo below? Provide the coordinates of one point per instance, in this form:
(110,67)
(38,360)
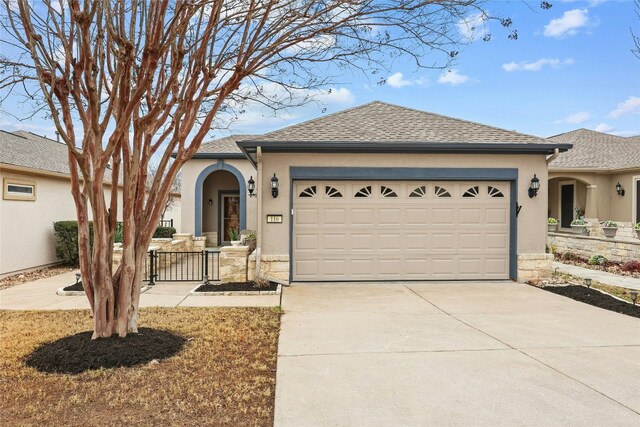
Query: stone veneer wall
(181,242)
(233,264)
(534,266)
(614,249)
(271,266)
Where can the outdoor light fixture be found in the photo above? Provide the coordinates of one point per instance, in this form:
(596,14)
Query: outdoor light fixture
(634,296)
(274,186)
(210,202)
(587,282)
(251,186)
(619,189)
(534,187)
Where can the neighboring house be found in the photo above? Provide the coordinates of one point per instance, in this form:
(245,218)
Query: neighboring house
(378,192)
(36,193)
(587,177)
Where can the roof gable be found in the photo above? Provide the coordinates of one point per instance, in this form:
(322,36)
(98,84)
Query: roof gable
(597,150)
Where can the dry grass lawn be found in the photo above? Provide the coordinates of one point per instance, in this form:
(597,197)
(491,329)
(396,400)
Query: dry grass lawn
(225,374)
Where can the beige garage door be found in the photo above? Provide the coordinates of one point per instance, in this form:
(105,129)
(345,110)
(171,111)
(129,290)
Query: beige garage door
(395,230)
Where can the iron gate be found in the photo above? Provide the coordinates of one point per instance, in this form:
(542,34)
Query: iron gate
(201,266)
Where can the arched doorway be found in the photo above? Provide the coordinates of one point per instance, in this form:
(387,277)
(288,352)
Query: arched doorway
(220,203)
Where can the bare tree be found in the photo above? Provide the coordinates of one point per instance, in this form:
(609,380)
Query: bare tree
(636,39)
(132,80)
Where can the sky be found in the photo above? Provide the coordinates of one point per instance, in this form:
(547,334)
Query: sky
(571,67)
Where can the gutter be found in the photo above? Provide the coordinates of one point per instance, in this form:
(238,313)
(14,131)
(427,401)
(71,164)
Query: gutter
(552,157)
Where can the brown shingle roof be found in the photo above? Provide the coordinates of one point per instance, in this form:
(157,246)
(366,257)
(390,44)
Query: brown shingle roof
(381,122)
(597,150)
(225,145)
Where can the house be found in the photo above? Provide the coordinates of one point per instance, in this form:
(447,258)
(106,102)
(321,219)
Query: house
(600,176)
(378,192)
(36,192)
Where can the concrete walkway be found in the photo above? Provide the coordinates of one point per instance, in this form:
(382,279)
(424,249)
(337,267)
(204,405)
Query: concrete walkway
(598,276)
(481,354)
(41,295)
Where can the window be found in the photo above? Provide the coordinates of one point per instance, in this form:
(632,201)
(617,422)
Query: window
(472,192)
(363,192)
(308,192)
(18,189)
(494,192)
(387,192)
(419,192)
(441,192)
(332,192)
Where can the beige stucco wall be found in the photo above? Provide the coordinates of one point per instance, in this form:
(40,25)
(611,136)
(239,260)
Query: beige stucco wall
(26,227)
(531,221)
(173,212)
(190,172)
(610,206)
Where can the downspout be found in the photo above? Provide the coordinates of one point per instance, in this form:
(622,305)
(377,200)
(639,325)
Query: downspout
(552,157)
(259,200)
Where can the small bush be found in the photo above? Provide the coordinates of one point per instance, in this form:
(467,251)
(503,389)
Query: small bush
(597,260)
(569,256)
(66,233)
(610,224)
(164,232)
(578,222)
(637,226)
(119,235)
(552,221)
(631,266)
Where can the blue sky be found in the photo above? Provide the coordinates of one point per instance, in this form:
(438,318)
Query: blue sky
(571,67)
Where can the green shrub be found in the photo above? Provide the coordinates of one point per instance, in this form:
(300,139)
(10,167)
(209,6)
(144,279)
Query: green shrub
(119,236)
(164,233)
(578,222)
(610,224)
(552,221)
(66,233)
(637,226)
(597,260)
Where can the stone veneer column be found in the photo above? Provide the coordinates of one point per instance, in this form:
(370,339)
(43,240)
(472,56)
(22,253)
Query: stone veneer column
(233,263)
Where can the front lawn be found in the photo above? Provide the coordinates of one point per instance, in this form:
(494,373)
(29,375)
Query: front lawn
(224,375)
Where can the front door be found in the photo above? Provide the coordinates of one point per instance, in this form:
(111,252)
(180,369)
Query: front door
(229,215)
(566,205)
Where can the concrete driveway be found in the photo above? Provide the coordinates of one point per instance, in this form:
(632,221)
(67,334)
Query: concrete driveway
(453,354)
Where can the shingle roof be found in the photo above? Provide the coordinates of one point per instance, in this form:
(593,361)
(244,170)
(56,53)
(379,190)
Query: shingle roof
(22,148)
(381,122)
(597,150)
(225,145)
(26,149)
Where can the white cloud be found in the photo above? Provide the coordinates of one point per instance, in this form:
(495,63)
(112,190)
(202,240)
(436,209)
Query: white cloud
(630,106)
(473,27)
(536,65)
(575,118)
(453,77)
(627,133)
(334,96)
(568,24)
(603,127)
(397,80)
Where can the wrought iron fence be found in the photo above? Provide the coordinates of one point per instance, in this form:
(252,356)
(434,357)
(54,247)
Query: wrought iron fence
(165,223)
(199,266)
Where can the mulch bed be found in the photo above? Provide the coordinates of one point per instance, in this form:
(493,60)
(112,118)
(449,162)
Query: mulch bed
(78,353)
(237,286)
(74,287)
(609,266)
(596,298)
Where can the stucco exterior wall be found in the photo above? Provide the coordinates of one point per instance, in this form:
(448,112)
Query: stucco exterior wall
(610,206)
(531,220)
(190,172)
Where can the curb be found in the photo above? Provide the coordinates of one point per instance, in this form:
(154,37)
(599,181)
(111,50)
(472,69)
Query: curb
(234,293)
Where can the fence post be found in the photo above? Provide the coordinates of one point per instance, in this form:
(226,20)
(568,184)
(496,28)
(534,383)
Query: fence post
(152,270)
(171,222)
(206,266)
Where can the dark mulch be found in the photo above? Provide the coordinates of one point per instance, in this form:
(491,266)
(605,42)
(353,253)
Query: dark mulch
(78,353)
(237,286)
(594,297)
(74,287)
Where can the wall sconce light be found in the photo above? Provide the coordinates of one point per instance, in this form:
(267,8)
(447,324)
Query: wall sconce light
(619,189)
(534,187)
(251,186)
(274,186)
(210,202)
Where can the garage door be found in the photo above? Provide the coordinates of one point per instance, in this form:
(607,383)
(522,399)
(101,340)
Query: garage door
(400,230)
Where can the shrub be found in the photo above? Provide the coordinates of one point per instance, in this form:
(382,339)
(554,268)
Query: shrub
(569,256)
(631,266)
(552,221)
(66,233)
(119,235)
(578,222)
(610,224)
(597,260)
(637,226)
(164,232)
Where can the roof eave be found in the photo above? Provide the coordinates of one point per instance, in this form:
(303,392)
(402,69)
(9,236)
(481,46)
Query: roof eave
(249,146)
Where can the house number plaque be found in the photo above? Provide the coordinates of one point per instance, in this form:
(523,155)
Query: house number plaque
(274,219)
